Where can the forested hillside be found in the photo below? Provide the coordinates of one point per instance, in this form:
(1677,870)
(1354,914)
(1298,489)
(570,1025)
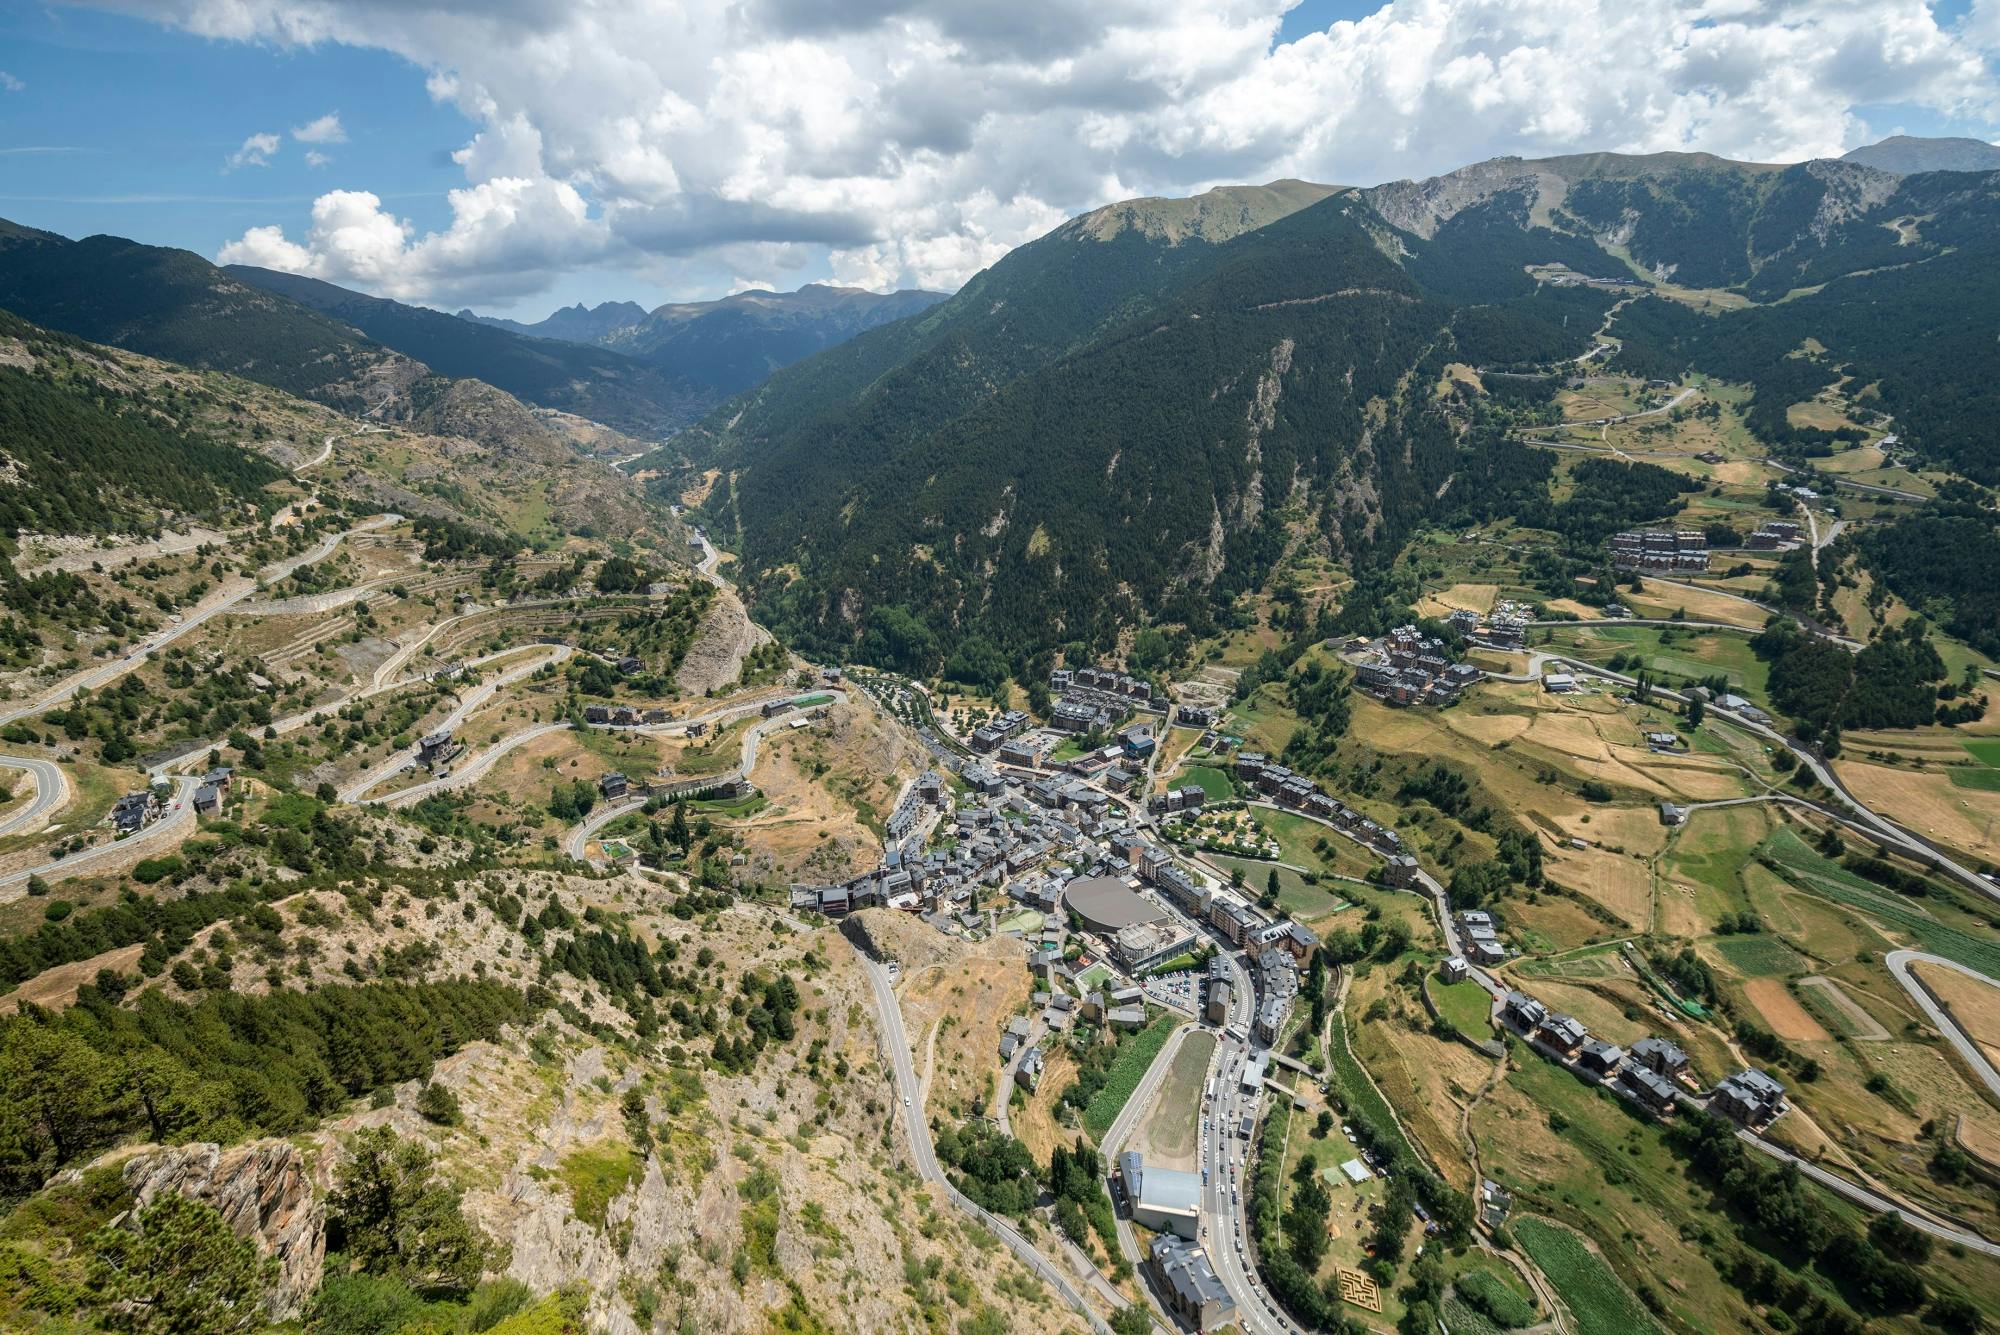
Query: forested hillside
(1036,304)
(175,305)
(78,455)
(1249,388)
(1906,310)
(1101,427)
(602,385)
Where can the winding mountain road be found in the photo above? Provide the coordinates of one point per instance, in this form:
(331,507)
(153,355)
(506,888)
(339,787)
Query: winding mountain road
(896,1051)
(179,818)
(467,703)
(475,769)
(51,792)
(1899,962)
(215,605)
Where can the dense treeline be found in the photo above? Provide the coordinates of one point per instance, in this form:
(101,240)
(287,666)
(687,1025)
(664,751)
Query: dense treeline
(1080,497)
(990,1166)
(1482,254)
(228,1066)
(1874,1270)
(1697,223)
(1607,495)
(1943,562)
(85,458)
(1891,683)
(164,926)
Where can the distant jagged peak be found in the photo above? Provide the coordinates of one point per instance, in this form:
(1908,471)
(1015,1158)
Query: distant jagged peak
(1213,216)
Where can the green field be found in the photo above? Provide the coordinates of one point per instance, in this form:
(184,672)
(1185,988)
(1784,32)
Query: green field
(1691,654)
(1211,781)
(1760,956)
(1360,1091)
(1844,887)
(1467,1005)
(1599,1301)
(1135,1055)
(1096,976)
(1027,920)
(1986,751)
(1979,780)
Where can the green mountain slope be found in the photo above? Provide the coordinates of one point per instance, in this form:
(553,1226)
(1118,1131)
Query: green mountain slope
(1253,388)
(1037,303)
(1903,303)
(605,386)
(81,453)
(1104,426)
(175,305)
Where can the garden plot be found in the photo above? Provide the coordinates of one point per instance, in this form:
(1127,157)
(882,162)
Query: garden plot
(1853,1021)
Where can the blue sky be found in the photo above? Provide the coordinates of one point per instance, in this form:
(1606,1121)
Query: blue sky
(125,127)
(122,124)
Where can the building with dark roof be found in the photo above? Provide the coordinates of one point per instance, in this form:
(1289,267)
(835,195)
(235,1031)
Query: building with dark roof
(1189,1284)
(1750,1097)
(1660,1056)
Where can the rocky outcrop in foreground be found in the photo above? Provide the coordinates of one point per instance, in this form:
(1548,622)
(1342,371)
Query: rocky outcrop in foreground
(264,1190)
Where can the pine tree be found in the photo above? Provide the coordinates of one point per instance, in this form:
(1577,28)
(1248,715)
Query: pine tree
(182,1271)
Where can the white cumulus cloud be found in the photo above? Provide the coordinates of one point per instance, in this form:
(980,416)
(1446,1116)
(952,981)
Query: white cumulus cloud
(256,152)
(325,130)
(900,142)
(509,237)
(12,84)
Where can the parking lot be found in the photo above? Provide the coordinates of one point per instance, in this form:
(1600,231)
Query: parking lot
(1181,990)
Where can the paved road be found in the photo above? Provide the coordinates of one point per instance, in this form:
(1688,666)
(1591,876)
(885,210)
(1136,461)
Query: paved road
(1866,488)
(474,769)
(179,818)
(51,791)
(1899,962)
(710,558)
(896,1050)
(1872,823)
(1870,1200)
(213,606)
(580,837)
(467,703)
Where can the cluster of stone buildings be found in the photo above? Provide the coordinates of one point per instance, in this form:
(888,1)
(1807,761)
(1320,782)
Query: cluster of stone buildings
(1095,698)
(1660,550)
(213,789)
(1407,667)
(1773,535)
(1287,788)
(135,811)
(1653,1074)
(1505,627)
(1000,834)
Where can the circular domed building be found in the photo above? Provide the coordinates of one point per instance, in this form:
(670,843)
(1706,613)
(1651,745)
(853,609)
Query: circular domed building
(1107,904)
